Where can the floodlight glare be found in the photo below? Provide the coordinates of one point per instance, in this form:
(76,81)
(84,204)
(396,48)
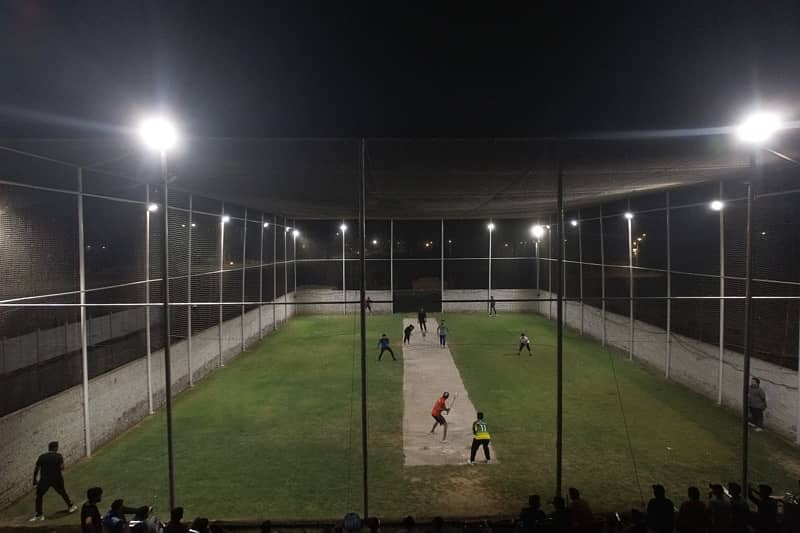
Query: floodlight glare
(343,228)
(296,233)
(287,228)
(758,128)
(490,225)
(266,224)
(152,208)
(573,222)
(225,219)
(157,133)
(717,205)
(374,241)
(537,231)
(629,215)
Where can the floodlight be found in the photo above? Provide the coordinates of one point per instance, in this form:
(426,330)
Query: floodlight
(574,223)
(374,241)
(717,205)
(343,228)
(158,133)
(490,225)
(629,215)
(152,207)
(194,225)
(225,219)
(537,231)
(296,233)
(758,128)
(287,228)
(266,224)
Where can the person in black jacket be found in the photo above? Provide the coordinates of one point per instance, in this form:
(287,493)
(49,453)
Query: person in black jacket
(660,511)
(91,522)
(48,474)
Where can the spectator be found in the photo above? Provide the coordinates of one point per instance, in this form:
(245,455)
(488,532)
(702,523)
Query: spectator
(143,522)
(580,514)
(766,518)
(660,511)
(408,525)
(719,510)
(532,514)
(740,512)
(757,402)
(692,517)
(437,526)
(638,523)
(91,522)
(373,524)
(560,515)
(175,518)
(115,520)
(200,525)
(351,522)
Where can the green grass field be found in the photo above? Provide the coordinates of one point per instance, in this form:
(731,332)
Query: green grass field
(276,434)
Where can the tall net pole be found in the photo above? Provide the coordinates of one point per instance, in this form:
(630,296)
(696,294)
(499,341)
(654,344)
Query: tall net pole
(363,293)
(166,330)
(560,333)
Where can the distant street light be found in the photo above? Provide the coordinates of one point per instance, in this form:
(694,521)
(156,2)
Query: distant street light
(537,231)
(628,215)
(490,226)
(574,223)
(225,219)
(296,233)
(758,128)
(266,224)
(152,208)
(717,205)
(343,228)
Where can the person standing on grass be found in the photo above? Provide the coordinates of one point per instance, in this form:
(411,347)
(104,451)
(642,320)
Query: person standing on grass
(757,402)
(524,342)
(438,408)
(50,465)
(407,334)
(492,308)
(442,332)
(422,319)
(91,522)
(368,304)
(383,344)
(480,437)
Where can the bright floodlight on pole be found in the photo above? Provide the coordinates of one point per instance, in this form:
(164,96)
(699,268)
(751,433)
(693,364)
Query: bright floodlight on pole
(266,224)
(490,226)
(717,205)
(343,228)
(225,219)
(758,128)
(158,133)
(537,231)
(629,215)
(296,233)
(574,223)
(153,207)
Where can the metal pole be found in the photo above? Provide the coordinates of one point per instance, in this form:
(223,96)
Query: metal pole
(560,337)
(536,245)
(261,280)
(441,270)
(797,396)
(580,264)
(668,346)
(274,272)
(285,272)
(549,272)
(166,331)
(363,263)
(294,258)
(602,278)
(344,269)
(722,297)
(748,320)
(391,260)
(489,292)
(84,347)
(189,293)
(630,288)
(221,277)
(148,358)
(244,267)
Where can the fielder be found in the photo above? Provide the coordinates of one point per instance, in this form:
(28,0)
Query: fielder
(480,437)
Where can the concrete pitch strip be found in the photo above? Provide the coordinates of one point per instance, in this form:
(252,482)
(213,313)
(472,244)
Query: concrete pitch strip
(429,370)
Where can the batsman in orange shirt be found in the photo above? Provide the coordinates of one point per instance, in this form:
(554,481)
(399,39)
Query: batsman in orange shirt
(439,407)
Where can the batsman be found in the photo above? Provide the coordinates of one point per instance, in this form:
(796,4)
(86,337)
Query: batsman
(438,408)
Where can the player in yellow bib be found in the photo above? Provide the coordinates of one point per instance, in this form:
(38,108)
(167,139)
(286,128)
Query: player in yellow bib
(480,437)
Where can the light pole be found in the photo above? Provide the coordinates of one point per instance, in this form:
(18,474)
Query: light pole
(160,135)
(295,235)
(490,227)
(343,229)
(629,218)
(537,231)
(755,130)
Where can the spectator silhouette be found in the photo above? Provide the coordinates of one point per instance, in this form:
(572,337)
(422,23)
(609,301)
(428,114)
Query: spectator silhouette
(532,514)
(660,511)
(174,525)
(115,519)
(740,512)
(408,525)
(200,525)
(91,522)
(580,514)
(693,517)
(719,510)
(560,516)
(766,518)
(373,524)
(638,523)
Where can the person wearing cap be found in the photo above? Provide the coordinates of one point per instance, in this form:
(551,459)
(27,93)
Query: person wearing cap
(48,473)
(766,517)
(692,516)
(757,403)
(660,511)
(480,437)
(91,522)
(438,408)
(719,509)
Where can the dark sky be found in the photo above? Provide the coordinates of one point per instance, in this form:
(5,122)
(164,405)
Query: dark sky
(250,69)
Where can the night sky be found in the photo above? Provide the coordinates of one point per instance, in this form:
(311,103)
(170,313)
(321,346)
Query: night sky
(247,69)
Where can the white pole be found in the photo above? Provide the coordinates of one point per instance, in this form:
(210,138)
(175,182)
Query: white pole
(630,281)
(797,395)
(148,358)
(549,273)
(221,277)
(285,273)
(536,245)
(391,260)
(668,346)
(580,264)
(344,268)
(441,270)
(244,266)
(261,280)
(602,278)
(490,265)
(189,299)
(722,299)
(294,265)
(84,348)
(274,272)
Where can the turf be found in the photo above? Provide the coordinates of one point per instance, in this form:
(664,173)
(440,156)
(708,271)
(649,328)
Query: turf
(277,432)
